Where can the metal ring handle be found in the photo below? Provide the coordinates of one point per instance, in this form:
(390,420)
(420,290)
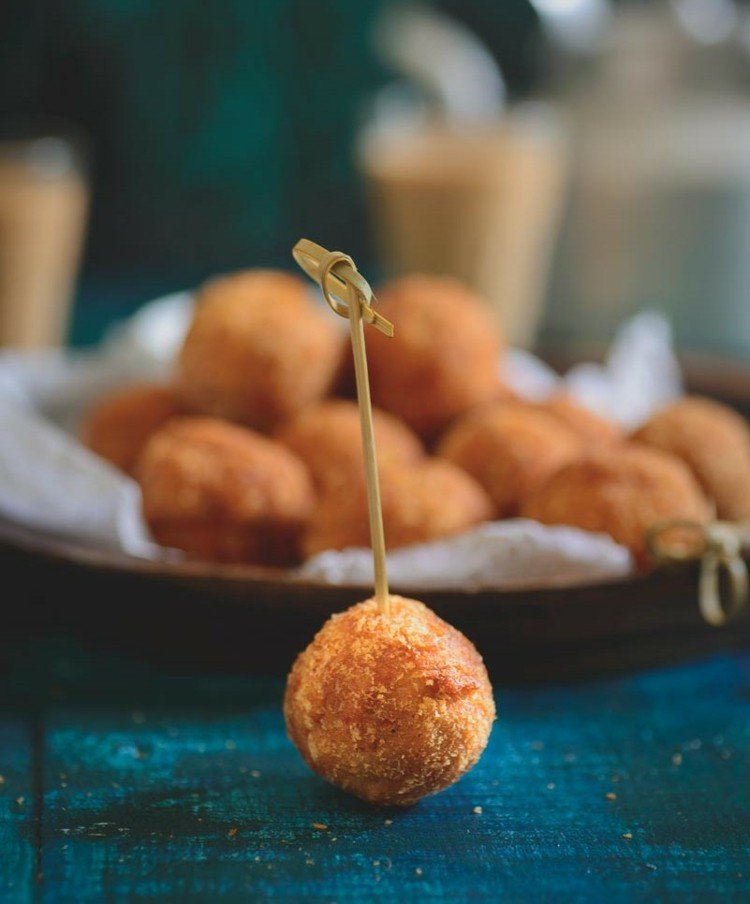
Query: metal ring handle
(709,587)
(720,553)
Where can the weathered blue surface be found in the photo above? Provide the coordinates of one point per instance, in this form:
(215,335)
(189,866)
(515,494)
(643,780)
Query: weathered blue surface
(17,847)
(199,795)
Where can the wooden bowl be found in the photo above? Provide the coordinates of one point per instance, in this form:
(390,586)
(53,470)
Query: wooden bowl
(192,613)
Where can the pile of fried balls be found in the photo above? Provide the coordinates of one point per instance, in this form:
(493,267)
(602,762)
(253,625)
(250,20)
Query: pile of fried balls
(253,453)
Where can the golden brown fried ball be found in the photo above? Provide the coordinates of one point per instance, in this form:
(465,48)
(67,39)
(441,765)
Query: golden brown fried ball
(714,442)
(511,449)
(328,438)
(591,428)
(389,707)
(621,495)
(258,351)
(118,426)
(420,502)
(224,493)
(443,359)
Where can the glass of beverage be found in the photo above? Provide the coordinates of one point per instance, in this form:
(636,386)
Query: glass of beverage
(43,208)
(480,204)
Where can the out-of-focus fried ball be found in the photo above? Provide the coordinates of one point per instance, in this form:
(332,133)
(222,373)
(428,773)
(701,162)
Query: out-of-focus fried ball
(591,428)
(503,393)
(328,438)
(621,495)
(421,502)
(389,707)
(118,425)
(258,351)
(224,493)
(443,359)
(714,442)
(511,449)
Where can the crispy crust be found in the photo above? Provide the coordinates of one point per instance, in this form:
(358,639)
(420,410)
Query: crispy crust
(444,357)
(328,438)
(621,495)
(390,708)
(714,442)
(258,350)
(223,493)
(420,502)
(118,426)
(511,449)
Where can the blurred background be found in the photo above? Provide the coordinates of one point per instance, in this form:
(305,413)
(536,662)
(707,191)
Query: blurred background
(574,160)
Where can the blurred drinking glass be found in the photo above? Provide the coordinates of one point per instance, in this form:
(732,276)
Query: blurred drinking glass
(480,203)
(43,206)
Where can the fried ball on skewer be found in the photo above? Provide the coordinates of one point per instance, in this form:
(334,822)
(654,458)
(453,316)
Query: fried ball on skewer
(224,493)
(389,707)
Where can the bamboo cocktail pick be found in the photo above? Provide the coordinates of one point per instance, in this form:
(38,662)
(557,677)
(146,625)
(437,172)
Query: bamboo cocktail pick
(349,295)
(410,749)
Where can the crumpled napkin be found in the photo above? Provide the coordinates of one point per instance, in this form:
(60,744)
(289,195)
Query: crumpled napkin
(50,483)
(509,554)
(640,374)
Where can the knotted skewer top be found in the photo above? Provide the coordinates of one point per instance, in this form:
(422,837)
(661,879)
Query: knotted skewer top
(335,272)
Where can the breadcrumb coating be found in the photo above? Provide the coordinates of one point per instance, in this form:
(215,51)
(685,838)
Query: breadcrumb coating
(389,707)
(328,438)
(511,449)
(620,494)
(258,350)
(714,442)
(422,502)
(118,425)
(444,357)
(224,493)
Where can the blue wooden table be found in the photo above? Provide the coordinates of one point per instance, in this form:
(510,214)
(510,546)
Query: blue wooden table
(122,782)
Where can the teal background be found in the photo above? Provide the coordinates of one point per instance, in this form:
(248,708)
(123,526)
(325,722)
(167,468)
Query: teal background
(217,132)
